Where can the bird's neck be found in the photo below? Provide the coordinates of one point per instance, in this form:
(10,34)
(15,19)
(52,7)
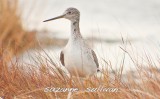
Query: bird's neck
(75,30)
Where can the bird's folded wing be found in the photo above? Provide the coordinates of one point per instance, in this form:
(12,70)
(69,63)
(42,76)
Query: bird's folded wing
(95,58)
(62,58)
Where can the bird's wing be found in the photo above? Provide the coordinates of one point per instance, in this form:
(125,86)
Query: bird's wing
(62,58)
(95,58)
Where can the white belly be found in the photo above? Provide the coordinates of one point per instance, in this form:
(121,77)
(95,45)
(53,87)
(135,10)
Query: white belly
(79,61)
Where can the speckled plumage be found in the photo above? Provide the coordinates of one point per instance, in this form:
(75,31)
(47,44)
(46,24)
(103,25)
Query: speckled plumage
(77,57)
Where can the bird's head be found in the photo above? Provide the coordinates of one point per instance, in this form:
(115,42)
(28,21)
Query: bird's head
(71,14)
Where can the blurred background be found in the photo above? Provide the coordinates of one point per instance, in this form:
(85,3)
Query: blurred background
(109,26)
(139,19)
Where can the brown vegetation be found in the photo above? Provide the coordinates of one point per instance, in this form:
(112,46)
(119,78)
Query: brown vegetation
(16,83)
(13,38)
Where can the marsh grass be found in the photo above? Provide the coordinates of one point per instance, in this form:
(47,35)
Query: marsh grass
(15,83)
(18,84)
(13,38)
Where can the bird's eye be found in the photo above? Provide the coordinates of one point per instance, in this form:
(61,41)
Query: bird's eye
(69,12)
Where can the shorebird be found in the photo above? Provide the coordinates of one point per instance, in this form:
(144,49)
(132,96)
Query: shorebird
(79,59)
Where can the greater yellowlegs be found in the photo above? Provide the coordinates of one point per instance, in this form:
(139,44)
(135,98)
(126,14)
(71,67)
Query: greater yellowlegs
(77,57)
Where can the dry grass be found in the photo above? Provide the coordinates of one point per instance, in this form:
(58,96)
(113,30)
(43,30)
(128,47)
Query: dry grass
(15,84)
(13,38)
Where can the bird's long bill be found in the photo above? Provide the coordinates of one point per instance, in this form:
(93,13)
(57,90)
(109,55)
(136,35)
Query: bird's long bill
(61,16)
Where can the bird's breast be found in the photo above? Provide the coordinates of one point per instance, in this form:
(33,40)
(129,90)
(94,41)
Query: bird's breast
(74,55)
(79,58)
